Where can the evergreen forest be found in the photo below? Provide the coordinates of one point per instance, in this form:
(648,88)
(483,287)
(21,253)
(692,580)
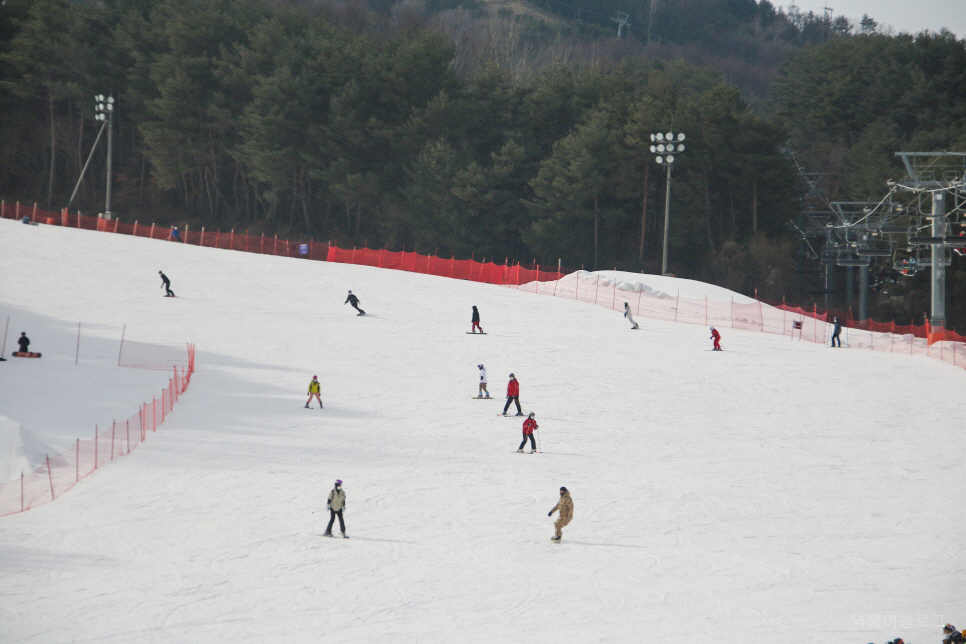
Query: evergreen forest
(506,129)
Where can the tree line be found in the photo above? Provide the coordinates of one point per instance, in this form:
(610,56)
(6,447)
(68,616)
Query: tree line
(445,127)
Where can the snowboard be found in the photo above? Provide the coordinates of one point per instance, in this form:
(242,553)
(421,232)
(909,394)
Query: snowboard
(21,354)
(471,333)
(169,296)
(484,398)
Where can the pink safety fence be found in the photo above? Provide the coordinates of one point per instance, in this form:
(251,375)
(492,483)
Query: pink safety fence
(793,322)
(61,472)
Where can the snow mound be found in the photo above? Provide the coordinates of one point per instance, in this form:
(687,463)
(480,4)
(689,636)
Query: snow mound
(657,285)
(21,450)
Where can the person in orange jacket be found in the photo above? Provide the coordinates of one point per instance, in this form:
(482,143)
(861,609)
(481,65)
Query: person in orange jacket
(717,339)
(513,395)
(529,425)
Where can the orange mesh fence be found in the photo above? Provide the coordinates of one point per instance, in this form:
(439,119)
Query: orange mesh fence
(144,355)
(61,472)
(791,321)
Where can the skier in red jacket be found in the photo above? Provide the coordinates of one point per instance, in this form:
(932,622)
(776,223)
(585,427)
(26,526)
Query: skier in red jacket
(717,339)
(513,395)
(529,425)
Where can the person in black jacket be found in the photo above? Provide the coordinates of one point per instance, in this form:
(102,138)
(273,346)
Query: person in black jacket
(476,320)
(354,301)
(952,636)
(24,342)
(836,332)
(166,285)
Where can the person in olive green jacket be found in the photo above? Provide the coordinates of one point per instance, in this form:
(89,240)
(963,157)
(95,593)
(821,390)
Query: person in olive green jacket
(336,506)
(566,507)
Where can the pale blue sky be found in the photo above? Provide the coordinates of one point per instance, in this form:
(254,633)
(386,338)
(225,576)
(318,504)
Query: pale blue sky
(911,16)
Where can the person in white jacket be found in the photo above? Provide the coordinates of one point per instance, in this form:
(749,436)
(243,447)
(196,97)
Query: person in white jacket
(483,392)
(629,315)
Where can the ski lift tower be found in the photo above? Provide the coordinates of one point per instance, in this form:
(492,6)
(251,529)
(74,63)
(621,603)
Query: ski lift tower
(943,176)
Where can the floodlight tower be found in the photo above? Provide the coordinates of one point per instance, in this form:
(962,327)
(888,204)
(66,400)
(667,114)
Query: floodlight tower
(943,176)
(105,111)
(665,145)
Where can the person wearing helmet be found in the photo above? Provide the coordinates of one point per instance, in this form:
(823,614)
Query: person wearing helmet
(717,339)
(483,392)
(175,235)
(629,315)
(354,301)
(952,636)
(836,332)
(529,425)
(476,321)
(566,507)
(336,506)
(315,390)
(513,395)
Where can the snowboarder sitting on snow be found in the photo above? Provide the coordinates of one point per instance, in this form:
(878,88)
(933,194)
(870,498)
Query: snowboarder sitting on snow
(513,395)
(24,342)
(336,507)
(476,320)
(529,425)
(836,332)
(629,315)
(166,285)
(717,339)
(566,507)
(483,382)
(314,392)
(952,636)
(354,301)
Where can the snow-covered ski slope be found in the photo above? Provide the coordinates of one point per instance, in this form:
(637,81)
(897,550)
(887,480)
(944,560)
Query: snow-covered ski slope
(779,491)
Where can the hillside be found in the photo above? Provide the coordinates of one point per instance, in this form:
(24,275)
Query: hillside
(775,492)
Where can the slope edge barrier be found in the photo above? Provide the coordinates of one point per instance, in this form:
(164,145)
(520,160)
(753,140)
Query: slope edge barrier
(793,322)
(63,471)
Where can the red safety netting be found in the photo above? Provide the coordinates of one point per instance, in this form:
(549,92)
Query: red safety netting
(463,269)
(791,321)
(61,472)
(144,355)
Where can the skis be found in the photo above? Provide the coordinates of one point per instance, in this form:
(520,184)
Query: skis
(345,536)
(519,452)
(513,415)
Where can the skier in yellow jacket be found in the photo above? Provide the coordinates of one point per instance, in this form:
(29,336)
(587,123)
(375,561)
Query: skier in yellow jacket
(314,392)
(566,507)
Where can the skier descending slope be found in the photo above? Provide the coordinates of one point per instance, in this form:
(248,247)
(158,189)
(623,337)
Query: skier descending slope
(336,507)
(315,390)
(476,321)
(483,392)
(629,315)
(529,425)
(166,285)
(566,507)
(513,395)
(717,339)
(354,301)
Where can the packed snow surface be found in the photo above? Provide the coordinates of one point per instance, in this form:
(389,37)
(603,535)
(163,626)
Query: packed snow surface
(778,491)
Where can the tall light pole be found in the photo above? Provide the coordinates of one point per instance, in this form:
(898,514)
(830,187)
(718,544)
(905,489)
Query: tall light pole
(664,148)
(105,111)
